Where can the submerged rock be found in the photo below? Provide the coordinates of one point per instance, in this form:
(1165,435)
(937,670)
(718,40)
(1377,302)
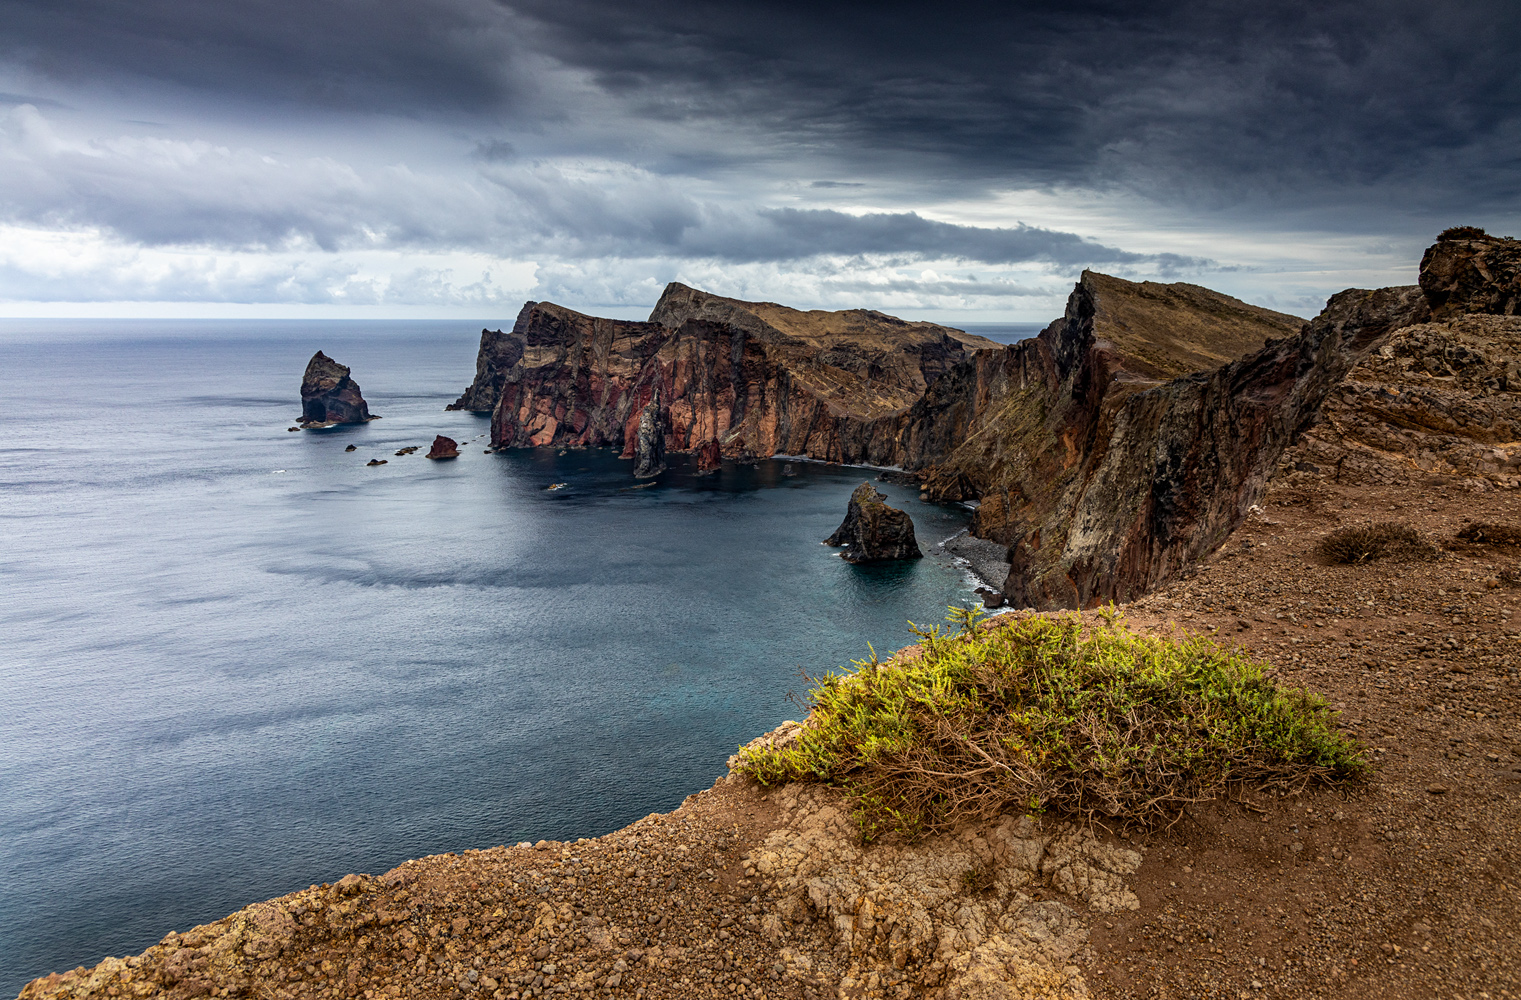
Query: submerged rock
(649,458)
(329,396)
(444,447)
(377,461)
(874,532)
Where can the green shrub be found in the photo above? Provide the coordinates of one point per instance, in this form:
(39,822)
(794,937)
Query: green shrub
(1043,713)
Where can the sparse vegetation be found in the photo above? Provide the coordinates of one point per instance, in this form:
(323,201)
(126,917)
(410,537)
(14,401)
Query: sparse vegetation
(1045,713)
(1484,533)
(1385,540)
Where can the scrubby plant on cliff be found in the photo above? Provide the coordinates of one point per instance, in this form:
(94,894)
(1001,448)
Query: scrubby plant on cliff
(1365,542)
(1050,713)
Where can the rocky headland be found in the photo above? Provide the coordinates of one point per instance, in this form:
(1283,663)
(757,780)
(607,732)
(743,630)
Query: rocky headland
(1392,405)
(1105,455)
(330,396)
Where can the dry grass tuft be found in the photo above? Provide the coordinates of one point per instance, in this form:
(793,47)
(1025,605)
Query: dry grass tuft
(1481,533)
(1365,542)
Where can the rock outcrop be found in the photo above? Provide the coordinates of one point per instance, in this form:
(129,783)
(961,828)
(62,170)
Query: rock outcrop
(444,447)
(1105,478)
(734,380)
(874,532)
(498,353)
(649,449)
(1469,271)
(329,396)
(1439,400)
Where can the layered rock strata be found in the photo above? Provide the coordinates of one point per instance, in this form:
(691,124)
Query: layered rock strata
(329,396)
(497,355)
(874,532)
(1437,401)
(734,380)
(1126,440)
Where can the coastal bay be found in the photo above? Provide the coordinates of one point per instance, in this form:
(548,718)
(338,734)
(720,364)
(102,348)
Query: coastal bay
(240,660)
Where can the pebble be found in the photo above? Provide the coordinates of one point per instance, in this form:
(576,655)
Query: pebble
(1438,789)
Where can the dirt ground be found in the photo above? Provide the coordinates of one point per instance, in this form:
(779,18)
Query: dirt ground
(1408,888)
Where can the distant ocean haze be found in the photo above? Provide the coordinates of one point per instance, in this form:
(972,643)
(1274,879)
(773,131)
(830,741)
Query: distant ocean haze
(239,661)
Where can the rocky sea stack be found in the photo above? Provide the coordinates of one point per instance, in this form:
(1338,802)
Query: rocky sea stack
(874,532)
(444,447)
(329,396)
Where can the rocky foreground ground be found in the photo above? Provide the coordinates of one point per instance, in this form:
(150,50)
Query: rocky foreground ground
(1405,888)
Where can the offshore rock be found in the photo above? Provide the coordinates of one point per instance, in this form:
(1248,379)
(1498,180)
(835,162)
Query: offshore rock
(444,447)
(498,353)
(329,396)
(874,532)
(649,458)
(1469,271)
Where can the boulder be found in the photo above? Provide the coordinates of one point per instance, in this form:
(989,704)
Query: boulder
(329,396)
(444,447)
(874,532)
(1469,271)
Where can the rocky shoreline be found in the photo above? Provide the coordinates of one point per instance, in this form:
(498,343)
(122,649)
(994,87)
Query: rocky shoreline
(1407,888)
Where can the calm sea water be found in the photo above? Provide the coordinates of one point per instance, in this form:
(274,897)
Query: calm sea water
(237,661)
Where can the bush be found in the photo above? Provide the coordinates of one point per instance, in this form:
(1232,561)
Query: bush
(1364,542)
(1044,713)
(1481,533)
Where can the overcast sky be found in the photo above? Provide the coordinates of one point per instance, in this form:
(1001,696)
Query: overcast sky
(953,161)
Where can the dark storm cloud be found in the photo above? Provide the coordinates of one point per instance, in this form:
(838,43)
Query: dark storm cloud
(1279,106)
(406,56)
(1290,101)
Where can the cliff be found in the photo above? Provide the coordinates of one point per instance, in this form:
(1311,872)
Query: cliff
(329,396)
(732,381)
(1105,480)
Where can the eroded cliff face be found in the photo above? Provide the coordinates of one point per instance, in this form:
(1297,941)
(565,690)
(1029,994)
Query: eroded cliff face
(730,383)
(498,353)
(1105,478)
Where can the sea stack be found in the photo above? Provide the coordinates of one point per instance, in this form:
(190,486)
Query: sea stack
(874,532)
(444,447)
(329,396)
(650,446)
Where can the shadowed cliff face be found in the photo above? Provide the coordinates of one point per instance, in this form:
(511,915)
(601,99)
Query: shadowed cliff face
(1124,442)
(1126,481)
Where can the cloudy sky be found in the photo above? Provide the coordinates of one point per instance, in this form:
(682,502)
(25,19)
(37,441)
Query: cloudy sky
(952,161)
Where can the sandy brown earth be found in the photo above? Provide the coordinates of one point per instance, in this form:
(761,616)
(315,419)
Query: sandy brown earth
(1405,888)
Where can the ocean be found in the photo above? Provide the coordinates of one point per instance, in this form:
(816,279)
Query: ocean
(237,660)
